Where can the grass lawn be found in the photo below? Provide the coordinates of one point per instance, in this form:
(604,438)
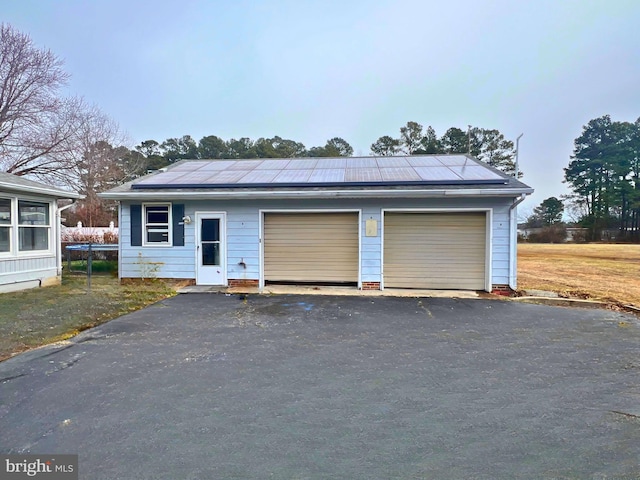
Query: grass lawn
(606,272)
(97,266)
(38,316)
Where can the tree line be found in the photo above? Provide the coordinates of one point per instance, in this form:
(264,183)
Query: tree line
(488,145)
(604,175)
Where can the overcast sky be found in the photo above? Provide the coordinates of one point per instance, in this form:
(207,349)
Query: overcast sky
(313,70)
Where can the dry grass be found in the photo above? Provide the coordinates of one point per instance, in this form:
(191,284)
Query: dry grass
(39,316)
(599,271)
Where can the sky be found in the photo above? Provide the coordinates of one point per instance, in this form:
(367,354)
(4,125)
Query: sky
(313,70)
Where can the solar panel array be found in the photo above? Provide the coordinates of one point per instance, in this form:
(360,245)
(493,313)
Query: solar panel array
(432,169)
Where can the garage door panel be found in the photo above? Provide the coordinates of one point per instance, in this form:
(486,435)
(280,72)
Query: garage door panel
(435,250)
(311,247)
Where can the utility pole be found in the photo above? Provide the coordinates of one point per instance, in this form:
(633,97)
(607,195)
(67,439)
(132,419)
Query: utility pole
(517,151)
(469,139)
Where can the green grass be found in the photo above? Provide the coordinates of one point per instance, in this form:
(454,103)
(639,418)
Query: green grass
(40,316)
(97,266)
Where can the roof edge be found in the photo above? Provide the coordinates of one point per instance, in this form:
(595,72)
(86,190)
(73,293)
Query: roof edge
(46,191)
(264,194)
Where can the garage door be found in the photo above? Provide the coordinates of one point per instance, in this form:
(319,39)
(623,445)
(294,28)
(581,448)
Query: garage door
(311,247)
(435,250)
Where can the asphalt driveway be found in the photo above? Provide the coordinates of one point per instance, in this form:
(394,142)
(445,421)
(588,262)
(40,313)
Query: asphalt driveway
(208,386)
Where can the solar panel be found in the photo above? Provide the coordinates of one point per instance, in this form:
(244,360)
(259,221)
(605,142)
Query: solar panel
(450,160)
(392,162)
(292,176)
(165,176)
(331,163)
(399,174)
(327,175)
(474,172)
(305,164)
(437,174)
(424,162)
(278,164)
(362,162)
(225,176)
(245,165)
(212,164)
(259,176)
(363,175)
(398,170)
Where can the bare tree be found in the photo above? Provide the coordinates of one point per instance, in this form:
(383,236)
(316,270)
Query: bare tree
(99,161)
(59,140)
(36,123)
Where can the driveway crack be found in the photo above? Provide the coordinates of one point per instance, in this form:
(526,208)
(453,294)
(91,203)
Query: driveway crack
(424,307)
(12,377)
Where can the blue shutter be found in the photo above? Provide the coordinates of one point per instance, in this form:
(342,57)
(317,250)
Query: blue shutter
(178,225)
(135,212)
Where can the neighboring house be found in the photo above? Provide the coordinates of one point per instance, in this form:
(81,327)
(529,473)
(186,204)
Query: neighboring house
(29,233)
(432,221)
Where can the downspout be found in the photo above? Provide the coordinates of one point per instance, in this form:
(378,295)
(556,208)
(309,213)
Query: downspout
(513,243)
(59,234)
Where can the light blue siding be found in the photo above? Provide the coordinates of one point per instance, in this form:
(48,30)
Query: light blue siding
(15,271)
(243,235)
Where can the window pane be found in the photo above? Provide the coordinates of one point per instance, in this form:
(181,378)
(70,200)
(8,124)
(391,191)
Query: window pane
(210,230)
(5,211)
(157,236)
(210,254)
(158,214)
(33,213)
(33,238)
(5,244)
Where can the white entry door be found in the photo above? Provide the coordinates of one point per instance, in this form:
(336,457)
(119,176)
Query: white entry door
(211,249)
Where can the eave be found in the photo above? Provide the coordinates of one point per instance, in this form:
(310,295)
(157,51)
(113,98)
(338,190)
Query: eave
(259,194)
(33,190)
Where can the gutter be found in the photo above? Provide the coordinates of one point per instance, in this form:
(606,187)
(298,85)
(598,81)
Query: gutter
(59,234)
(513,244)
(267,194)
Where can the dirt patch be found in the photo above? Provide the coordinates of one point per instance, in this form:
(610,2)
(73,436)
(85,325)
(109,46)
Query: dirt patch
(604,272)
(36,317)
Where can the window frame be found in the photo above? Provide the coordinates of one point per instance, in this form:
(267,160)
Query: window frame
(10,226)
(169,225)
(15,225)
(18,226)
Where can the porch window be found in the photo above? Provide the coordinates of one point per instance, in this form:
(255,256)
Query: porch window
(5,225)
(34,226)
(157,220)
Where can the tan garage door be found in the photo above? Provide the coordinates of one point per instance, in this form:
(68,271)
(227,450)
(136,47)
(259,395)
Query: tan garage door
(435,250)
(311,247)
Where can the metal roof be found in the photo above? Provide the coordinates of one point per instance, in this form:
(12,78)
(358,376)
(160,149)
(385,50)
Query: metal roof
(324,172)
(14,184)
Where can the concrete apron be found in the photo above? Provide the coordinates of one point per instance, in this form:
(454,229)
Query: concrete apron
(324,290)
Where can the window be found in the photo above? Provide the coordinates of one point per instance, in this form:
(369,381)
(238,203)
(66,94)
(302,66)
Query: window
(5,225)
(33,226)
(157,220)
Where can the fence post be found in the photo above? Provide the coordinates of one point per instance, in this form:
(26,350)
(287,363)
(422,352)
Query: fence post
(89,258)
